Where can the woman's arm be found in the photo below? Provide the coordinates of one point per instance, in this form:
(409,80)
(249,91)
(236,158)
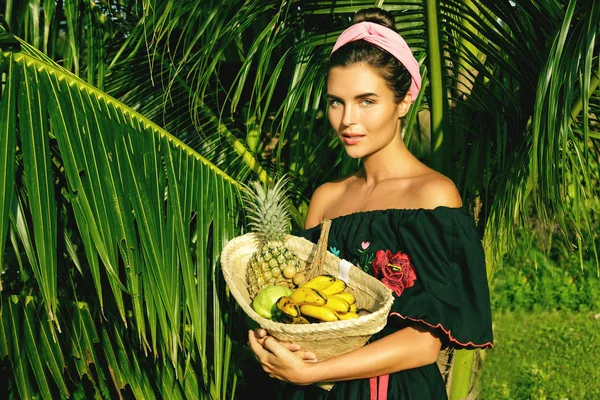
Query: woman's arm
(408,348)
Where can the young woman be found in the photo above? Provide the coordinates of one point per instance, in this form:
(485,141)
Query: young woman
(397,219)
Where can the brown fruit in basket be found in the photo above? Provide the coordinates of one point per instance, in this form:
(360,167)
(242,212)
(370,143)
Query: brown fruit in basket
(299,278)
(363,311)
(290,271)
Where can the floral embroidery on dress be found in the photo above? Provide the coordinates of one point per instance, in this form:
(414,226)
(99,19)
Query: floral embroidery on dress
(366,258)
(334,251)
(394,270)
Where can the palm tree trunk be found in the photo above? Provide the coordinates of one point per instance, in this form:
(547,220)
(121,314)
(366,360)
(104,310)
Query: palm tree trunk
(461,375)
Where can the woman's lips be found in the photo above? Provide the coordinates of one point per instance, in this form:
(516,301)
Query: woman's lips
(352,138)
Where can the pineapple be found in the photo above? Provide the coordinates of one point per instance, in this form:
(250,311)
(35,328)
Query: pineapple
(272,263)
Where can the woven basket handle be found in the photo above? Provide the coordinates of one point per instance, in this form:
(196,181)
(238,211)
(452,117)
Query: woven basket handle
(319,258)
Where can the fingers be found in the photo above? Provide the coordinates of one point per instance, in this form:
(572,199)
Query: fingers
(290,346)
(272,345)
(307,356)
(257,348)
(260,336)
(260,333)
(276,358)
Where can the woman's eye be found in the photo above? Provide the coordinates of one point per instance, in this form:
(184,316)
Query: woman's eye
(366,102)
(335,103)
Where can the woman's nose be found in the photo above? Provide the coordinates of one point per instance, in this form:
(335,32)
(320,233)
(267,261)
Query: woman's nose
(349,116)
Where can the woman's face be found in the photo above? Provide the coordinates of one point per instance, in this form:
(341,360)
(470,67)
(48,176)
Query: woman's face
(362,109)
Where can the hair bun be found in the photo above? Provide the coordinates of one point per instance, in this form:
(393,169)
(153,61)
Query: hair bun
(375,15)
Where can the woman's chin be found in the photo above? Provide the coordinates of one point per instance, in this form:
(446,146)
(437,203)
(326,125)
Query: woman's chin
(354,152)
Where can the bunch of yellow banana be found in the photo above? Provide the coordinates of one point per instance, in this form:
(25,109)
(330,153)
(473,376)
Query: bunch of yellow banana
(323,298)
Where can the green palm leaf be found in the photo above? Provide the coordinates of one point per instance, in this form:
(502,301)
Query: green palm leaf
(148,217)
(7,155)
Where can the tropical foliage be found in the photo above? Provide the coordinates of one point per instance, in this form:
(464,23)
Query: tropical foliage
(115,227)
(110,227)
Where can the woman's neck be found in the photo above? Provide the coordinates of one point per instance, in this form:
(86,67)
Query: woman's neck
(393,161)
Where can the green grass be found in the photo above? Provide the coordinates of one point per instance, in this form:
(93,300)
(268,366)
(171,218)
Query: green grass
(543,355)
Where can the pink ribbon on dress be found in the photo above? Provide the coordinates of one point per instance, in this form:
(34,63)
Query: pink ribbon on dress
(388,40)
(379,393)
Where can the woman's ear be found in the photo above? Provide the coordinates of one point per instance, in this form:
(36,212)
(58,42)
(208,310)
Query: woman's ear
(404,105)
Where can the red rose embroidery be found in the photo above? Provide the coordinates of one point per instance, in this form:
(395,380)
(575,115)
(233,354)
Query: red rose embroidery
(394,270)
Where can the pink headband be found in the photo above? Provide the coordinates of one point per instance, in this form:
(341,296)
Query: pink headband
(387,40)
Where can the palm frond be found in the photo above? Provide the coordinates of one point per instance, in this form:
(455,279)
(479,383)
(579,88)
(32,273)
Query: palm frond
(550,145)
(147,219)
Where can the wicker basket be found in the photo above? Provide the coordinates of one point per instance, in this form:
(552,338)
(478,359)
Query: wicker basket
(325,339)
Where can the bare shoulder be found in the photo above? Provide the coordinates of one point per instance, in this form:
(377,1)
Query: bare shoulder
(435,190)
(323,198)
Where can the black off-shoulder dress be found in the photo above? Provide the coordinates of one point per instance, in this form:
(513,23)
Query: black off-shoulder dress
(434,262)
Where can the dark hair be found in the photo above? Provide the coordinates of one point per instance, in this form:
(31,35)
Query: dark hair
(391,70)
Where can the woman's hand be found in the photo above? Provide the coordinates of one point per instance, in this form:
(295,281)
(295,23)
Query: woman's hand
(411,347)
(281,360)
(261,334)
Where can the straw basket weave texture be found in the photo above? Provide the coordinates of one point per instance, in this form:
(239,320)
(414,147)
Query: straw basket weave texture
(325,339)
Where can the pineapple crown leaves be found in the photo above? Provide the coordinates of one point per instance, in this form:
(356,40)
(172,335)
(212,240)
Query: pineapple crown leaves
(267,210)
